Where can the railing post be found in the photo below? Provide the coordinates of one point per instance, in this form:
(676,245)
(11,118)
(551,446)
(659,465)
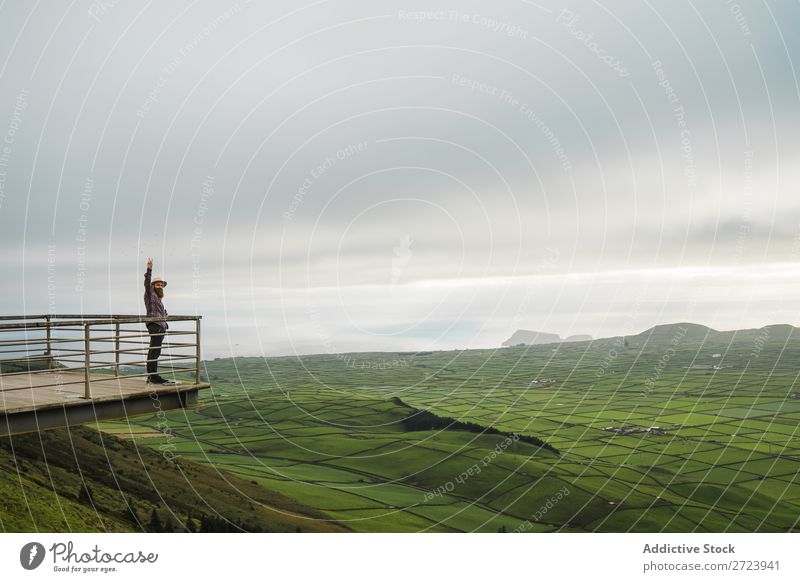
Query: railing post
(116,351)
(49,354)
(197,355)
(47,327)
(87,360)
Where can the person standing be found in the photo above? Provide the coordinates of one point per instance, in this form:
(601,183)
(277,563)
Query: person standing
(153,295)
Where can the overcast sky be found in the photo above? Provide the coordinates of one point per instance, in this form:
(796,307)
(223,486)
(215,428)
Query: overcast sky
(339,176)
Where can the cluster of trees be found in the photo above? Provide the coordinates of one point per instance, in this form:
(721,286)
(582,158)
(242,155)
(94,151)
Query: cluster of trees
(169,523)
(204,524)
(35,364)
(424,420)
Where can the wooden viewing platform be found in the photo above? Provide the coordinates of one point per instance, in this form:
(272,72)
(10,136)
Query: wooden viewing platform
(47,382)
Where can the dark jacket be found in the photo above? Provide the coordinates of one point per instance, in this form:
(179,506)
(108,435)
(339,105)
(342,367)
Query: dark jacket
(152,302)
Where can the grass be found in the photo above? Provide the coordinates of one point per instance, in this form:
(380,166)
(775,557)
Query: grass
(336,438)
(81,480)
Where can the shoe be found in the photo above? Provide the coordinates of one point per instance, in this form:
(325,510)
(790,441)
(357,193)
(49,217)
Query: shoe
(155,380)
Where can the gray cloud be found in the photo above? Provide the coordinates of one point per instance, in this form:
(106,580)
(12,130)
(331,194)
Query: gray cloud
(652,136)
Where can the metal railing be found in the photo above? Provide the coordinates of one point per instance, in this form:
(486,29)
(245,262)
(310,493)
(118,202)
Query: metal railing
(43,344)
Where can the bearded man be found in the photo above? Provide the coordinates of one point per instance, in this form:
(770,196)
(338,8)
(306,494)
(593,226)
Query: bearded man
(153,295)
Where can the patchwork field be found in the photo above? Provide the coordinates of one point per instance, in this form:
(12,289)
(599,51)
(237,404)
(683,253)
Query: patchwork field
(678,429)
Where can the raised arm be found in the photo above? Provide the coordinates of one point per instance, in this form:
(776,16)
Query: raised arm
(147,274)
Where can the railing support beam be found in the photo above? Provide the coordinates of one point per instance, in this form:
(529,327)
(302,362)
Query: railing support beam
(49,347)
(116,351)
(86,393)
(197,356)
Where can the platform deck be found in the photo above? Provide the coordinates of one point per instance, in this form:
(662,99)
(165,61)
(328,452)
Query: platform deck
(47,399)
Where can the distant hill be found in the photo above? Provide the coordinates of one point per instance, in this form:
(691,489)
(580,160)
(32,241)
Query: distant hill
(683,330)
(532,338)
(694,332)
(665,334)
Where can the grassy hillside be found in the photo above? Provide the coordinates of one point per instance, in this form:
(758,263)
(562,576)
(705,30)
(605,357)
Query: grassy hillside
(351,457)
(725,455)
(81,480)
(678,429)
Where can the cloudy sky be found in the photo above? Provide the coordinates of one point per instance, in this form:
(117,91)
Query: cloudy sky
(368,175)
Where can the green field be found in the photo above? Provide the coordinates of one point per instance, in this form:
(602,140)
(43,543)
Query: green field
(328,431)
